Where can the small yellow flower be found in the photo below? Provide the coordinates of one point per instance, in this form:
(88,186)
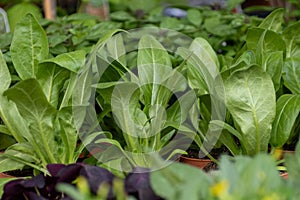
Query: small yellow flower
(220,189)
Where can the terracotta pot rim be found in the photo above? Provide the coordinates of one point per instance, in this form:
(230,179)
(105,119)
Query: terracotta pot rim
(195,159)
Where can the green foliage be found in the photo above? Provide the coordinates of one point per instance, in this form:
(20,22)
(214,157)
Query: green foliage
(259,79)
(36,111)
(17,12)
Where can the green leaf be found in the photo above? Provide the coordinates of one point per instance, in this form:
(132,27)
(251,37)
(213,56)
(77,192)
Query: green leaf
(14,122)
(177,112)
(124,104)
(198,75)
(154,67)
(116,49)
(6,140)
(264,41)
(72,61)
(29,46)
(171,23)
(287,110)
(52,79)
(121,16)
(204,51)
(17,12)
(68,134)
(173,182)
(39,114)
(290,35)
(274,65)
(273,21)
(195,17)
(250,99)
(4,74)
(291,75)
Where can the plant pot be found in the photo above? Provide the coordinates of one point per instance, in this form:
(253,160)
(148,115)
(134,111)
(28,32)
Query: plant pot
(2,175)
(196,162)
(284,175)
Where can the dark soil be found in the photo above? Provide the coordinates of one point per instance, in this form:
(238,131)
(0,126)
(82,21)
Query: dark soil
(20,173)
(216,153)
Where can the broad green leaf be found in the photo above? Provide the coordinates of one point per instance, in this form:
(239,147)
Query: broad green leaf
(264,41)
(14,122)
(4,74)
(291,75)
(250,99)
(17,156)
(52,79)
(124,104)
(195,17)
(116,49)
(204,51)
(274,64)
(198,74)
(121,16)
(29,46)
(39,114)
(17,12)
(72,61)
(273,21)
(173,182)
(171,23)
(154,67)
(243,61)
(287,110)
(269,49)
(7,164)
(289,35)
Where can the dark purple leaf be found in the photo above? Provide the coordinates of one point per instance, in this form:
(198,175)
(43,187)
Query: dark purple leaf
(69,173)
(13,190)
(137,183)
(96,176)
(36,181)
(54,168)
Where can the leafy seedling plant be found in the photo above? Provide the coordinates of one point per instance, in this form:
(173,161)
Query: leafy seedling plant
(36,107)
(148,98)
(261,89)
